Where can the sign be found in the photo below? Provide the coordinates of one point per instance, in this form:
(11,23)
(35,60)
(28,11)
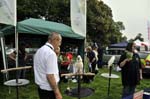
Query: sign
(78,16)
(8,12)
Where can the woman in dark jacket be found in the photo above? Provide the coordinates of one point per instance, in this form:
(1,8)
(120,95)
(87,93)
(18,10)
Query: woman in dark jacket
(91,59)
(22,57)
(130,65)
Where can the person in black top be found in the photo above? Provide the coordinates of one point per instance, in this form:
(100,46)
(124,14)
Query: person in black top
(100,57)
(22,57)
(130,65)
(91,59)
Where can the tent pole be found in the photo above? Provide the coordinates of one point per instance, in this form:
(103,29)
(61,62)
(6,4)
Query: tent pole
(4,55)
(3,52)
(17,75)
(16,46)
(84,58)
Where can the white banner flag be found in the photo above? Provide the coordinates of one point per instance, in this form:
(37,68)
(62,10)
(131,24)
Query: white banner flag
(148,29)
(78,16)
(8,12)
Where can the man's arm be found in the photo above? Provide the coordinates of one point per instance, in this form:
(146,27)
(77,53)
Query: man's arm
(141,76)
(54,85)
(124,62)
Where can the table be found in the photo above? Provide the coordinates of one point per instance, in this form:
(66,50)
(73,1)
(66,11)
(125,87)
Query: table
(109,76)
(17,83)
(13,83)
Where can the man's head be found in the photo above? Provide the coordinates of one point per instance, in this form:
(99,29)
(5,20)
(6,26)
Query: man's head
(55,39)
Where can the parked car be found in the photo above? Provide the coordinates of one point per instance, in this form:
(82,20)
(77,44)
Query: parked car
(112,52)
(145,60)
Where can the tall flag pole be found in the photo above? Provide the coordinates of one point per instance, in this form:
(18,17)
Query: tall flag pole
(148,30)
(78,12)
(8,12)
(7,15)
(78,16)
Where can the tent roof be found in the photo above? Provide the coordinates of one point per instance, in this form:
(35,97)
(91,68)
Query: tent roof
(119,45)
(42,27)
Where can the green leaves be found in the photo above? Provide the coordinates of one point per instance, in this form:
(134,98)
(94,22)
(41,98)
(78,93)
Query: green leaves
(100,24)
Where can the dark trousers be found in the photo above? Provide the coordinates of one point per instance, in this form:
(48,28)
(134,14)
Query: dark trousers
(128,91)
(93,67)
(44,94)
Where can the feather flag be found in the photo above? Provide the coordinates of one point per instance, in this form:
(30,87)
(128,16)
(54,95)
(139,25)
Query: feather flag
(78,16)
(8,12)
(148,29)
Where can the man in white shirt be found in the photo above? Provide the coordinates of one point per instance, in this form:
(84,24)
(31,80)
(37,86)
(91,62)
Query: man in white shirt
(46,68)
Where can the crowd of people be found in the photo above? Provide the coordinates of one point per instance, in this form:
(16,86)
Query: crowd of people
(48,60)
(46,68)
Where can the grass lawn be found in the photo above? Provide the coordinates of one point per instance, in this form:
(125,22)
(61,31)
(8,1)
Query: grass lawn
(100,86)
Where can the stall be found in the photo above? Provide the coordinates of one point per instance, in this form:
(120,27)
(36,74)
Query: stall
(35,31)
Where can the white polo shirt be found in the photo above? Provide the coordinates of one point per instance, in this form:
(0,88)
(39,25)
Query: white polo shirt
(45,62)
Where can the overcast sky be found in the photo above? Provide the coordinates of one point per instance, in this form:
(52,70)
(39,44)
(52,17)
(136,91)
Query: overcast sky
(133,13)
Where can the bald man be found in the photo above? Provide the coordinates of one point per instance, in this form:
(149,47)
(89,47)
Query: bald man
(46,68)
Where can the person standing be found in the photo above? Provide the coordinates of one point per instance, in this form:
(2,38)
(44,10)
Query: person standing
(100,57)
(95,48)
(131,71)
(22,58)
(46,70)
(91,59)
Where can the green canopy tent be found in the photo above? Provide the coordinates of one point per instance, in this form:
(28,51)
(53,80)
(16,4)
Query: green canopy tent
(42,27)
(39,26)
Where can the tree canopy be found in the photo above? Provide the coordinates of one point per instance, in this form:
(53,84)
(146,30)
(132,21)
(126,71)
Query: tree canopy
(101,27)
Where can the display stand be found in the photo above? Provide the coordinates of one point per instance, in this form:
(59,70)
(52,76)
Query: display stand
(16,82)
(79,92)
(109,76)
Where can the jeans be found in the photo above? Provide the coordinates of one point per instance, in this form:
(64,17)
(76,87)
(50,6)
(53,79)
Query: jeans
(128,91)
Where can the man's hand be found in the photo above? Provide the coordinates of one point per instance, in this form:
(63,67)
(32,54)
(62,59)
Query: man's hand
(58,94)
(54,86)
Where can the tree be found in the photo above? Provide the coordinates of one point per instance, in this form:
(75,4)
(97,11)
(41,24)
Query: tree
(53,10)
(101,27)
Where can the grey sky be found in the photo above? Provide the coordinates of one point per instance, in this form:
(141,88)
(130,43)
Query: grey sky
(133,13)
